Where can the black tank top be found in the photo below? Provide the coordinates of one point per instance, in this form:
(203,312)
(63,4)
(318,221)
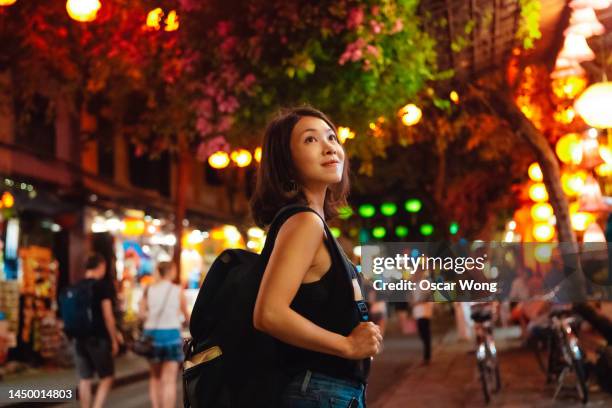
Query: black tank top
(329,303)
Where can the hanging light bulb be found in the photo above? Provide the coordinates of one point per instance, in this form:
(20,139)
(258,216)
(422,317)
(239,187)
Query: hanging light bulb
(535,172)
(219,160)
(576,48)
(241,157)
(257,154)
(595,105)
(569,148)
(594,233)
(591,199)
(590,153)
(584,22)
(83,10)
(573,183)
(594,4)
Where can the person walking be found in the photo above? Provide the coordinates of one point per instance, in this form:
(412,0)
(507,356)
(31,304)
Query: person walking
(94,353)
(161,306)
(305,300)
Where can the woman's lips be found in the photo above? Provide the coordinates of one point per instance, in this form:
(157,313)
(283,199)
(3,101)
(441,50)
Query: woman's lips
(331,164)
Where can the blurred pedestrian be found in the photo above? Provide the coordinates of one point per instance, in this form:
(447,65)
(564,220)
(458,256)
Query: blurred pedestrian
(94,353)
(304,298)
(422,312)
(162,305)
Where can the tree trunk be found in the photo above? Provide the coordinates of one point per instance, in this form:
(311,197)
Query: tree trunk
(7,119)
(501,101)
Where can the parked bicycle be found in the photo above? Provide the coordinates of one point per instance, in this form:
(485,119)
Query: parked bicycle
(558,351)
(486,352)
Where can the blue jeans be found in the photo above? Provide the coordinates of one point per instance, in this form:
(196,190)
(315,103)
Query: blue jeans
(315,390)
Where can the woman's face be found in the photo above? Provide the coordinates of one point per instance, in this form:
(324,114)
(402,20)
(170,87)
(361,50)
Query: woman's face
(317,155)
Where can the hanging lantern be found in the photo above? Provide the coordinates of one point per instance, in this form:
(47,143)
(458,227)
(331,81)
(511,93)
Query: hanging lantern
(569,148)
(591,199)
(172,22)
(584,22)
(154,17)
(257,154)
(595,105)
(604,170)
(133,227)
(573,183)
(411,114)
(7,2)
(581,220)
(535,172)
(576,48)
(543,232)
(594,233)
(538,193)
(594,4)
(241,157)
(219,160)
(590,153)
(541,211)
(7,200)
(83,10)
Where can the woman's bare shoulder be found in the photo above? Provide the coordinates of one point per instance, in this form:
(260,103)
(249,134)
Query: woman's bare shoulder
(303,225)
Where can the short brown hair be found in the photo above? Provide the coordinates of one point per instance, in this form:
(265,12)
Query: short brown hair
(277,171)
(164,268)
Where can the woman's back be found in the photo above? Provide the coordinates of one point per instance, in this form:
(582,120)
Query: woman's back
(163,305)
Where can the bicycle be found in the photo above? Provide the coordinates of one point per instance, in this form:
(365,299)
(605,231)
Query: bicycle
(486,352)
(565,354)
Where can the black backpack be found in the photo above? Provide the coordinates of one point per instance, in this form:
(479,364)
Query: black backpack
(75,305)
(228,363)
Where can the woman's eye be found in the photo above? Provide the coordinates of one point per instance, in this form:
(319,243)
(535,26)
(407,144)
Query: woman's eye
(310,139)
(333,137)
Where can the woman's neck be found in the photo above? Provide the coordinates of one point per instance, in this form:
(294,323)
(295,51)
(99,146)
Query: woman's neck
(316,199)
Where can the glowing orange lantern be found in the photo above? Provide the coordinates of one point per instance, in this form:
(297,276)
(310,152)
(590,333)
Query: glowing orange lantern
(594,233)
(573,183)
(7,2)
(172,22)
(590,153)
(543,232)
(133,227)
(219,160)
(83,10)
(569,148)
(154,18)
(8,200)
(538,193)
(535,172)
(541,211)
(257,154)
(241,157)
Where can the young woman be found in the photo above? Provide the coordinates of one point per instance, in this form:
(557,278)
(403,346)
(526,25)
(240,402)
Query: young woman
(162,304)
(305,299)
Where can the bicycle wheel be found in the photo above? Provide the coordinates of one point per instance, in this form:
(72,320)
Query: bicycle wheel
(581,378)
(482,368)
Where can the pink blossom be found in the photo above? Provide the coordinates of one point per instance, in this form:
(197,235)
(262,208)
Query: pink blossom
(203,126)
(204,108)
(248,81)
(355,17)
(225,123)
(356,56)
(228,46)
(227,105)
(210,146)
(376,26)
(397,26)
(370,49)
(223,28)
(367,65)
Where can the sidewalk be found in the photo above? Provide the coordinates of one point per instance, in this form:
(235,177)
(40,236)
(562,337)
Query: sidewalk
(452,380)
(128,368)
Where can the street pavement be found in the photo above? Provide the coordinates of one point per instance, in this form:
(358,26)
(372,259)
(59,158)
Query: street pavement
(452,380)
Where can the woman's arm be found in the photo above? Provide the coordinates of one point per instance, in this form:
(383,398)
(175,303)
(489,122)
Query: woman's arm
(184,308)
(142,305)
(293,253)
